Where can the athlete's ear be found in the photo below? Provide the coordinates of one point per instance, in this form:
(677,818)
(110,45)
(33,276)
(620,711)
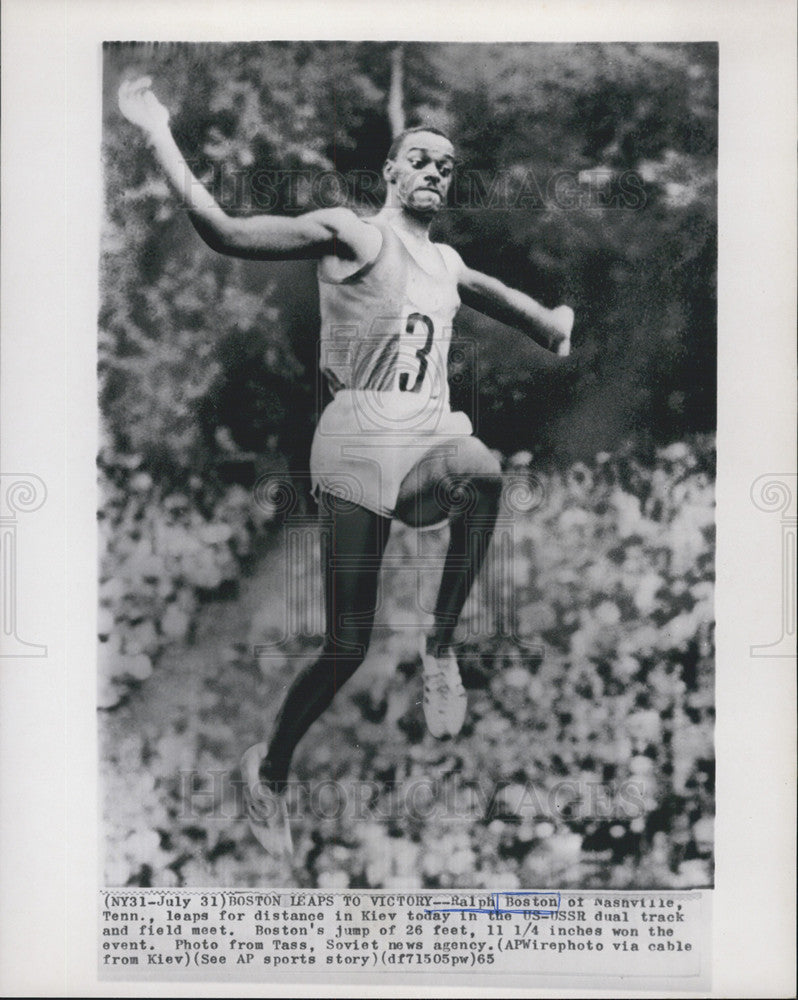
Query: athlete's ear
(388,171)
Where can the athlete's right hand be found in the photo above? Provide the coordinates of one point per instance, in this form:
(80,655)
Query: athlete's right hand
(139,105)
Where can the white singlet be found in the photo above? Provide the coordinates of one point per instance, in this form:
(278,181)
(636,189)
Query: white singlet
(385,336)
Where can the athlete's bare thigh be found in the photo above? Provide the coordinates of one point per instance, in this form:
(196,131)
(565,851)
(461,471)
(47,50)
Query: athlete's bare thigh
(425,496)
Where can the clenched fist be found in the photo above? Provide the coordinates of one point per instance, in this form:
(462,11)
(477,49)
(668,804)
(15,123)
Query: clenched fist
(139,105)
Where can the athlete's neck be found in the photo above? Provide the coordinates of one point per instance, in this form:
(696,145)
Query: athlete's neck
(415,226)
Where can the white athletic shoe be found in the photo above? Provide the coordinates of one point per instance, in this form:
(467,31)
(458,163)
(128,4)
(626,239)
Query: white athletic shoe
(445,700)
(266,811)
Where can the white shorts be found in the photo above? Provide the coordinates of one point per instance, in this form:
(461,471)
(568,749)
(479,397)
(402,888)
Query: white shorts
(366,443)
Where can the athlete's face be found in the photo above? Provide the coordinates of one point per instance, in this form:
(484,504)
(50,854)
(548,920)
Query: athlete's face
(422,172)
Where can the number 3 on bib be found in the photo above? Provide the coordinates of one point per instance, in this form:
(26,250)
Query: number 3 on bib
(414,321)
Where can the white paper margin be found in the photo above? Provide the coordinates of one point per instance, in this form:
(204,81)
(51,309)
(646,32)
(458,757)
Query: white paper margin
(51,66)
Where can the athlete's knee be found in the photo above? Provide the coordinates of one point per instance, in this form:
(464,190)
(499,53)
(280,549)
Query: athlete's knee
(473,460)
(484,474)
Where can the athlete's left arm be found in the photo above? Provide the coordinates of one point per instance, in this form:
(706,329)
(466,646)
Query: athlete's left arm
(549,327)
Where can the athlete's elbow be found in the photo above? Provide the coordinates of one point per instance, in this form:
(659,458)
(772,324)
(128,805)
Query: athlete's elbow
(218,234)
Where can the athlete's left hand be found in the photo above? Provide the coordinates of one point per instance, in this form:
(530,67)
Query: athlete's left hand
(562,319)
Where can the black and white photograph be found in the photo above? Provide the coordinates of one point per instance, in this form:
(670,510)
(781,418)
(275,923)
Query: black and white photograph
(398,498)
(407,374)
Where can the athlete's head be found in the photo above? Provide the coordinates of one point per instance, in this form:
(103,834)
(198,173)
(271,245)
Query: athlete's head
(418,170)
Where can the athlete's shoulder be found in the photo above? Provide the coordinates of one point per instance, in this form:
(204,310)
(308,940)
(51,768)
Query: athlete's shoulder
(354,240)
(339,220)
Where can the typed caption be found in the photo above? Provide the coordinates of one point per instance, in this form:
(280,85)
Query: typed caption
(250,934)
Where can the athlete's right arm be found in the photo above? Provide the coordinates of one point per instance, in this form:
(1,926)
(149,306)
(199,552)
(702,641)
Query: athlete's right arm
(327,232)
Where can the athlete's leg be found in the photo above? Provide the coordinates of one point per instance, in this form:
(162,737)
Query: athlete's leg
(459,479)
(353,542)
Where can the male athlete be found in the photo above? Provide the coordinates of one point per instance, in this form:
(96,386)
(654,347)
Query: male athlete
(388,445)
